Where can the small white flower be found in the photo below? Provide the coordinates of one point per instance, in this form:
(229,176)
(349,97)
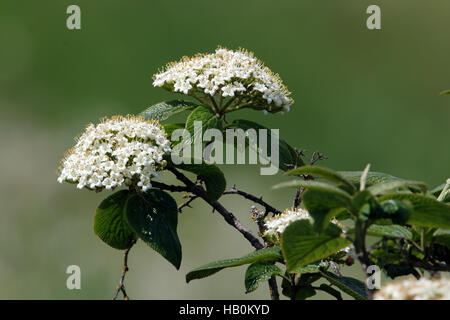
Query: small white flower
(115,152)
(228,91)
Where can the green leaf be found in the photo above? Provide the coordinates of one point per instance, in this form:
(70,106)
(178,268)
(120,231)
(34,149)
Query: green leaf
(110,224)
(393,231)
(315,185)
(288,157)
(371,179)
(301,245)
(335,293)
(323,206)
(360,199)
(304,293)
(443,93)
(442,237)
(258,272)
(395,210)
(211,175)
(310,268)
(153,215)
(325,173)
(208,119)
(437,191)
(351,286)
(384,187)
(169,128)
(164,110)
(272,254)
(426,211)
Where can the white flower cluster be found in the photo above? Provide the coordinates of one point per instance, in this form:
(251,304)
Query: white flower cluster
(227,73)
(276,225)
(117,151)
(412,289)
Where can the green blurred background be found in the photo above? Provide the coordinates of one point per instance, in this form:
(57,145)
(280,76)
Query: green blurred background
(361,96)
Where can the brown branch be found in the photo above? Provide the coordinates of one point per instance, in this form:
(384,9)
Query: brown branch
(217,206)
(168,187)
(198,191)
(430,266)
(273,288)
(268,208)
(121,286)
(298,197)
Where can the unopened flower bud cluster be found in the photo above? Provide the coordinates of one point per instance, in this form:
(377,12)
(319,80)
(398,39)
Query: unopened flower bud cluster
(118,151)
(227,74)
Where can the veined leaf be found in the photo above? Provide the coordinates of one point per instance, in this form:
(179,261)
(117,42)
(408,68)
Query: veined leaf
(351,286)
(325,173)
(393,231)
(323,206)
(371,179)
(110,223)
(208,120)
(165,109)
(315,185)
(272,254)
(427,211)
(384,187)
(310,268)
(302,246)
(288,157)
(258,272)
(153,215)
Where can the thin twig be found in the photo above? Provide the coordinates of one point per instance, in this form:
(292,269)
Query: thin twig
(121,286)
(268,208)
(298,197)
(317,156)
(217,206)
(191,197)
(198,191)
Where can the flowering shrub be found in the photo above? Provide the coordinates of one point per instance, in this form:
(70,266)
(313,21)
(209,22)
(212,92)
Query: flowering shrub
(326,228)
